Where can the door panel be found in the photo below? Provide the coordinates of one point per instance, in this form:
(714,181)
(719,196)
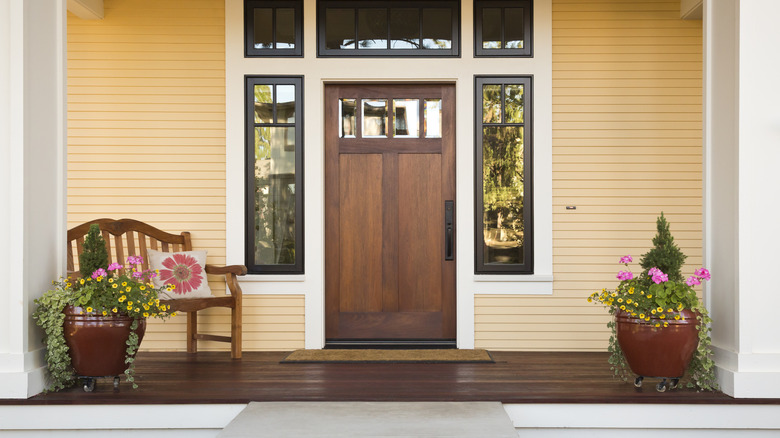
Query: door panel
(386,277)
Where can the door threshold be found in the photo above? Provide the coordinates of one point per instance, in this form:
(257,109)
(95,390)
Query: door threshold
(394,344)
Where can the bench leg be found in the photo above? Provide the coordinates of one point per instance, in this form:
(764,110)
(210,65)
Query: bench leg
(235,332)
(192,330)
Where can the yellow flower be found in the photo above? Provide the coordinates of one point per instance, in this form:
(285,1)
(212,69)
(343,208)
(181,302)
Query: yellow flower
(663,315)
(669,310)
(677,317)
(122,298)
(128,289)
(89,310)
(146,307)
(105,313)
(146,314)
(633,313)
(590,299)
(157,301)
(114,310)
(623,307)
(129,303)
(657,325)
(99,278)
(143,288)
(124,283)
(614,294)
(660,309)
(173,286)
(629,301)
(631,291)
(647,319)
(636,304)
(620,300)
(81,281)
(679,306)
(641,316)
(173,314)
(137,309)
(110,280)
(653,311)
(157,271)
(666,324)
(113,286)
(649,295)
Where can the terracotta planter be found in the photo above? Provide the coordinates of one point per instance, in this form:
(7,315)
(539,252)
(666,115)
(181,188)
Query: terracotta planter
(658,351)
(98,343)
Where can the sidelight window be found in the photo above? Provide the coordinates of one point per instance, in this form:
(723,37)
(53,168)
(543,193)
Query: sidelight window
(274,177)
(503,216)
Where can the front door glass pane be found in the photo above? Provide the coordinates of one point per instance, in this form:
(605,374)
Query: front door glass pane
(404,28)
(406,121)
(372,28)
(264,103)
(347,115)
(432,118)
(374,117)
(491,28)
(503,192)
(340,32)
(285,28)
(437,28)
(274,195)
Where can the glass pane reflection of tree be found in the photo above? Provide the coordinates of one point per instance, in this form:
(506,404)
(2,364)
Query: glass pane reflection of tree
(274,195)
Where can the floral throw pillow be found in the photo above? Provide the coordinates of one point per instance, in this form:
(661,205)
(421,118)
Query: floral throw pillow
(185,270)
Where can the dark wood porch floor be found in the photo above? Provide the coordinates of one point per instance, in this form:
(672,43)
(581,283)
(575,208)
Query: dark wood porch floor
(516,377)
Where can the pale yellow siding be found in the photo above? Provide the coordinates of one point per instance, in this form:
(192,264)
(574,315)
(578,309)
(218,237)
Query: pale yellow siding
(146,140)
(627,144)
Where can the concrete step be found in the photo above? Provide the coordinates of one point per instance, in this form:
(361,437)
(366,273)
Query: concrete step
(371,419)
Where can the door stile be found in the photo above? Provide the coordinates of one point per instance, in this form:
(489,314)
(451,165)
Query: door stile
(332,250)
(448,184)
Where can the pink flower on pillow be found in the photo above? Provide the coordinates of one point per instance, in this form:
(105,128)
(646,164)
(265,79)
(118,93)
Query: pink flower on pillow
(183,271)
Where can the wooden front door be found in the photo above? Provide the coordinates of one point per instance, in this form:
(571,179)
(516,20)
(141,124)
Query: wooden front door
(389,214)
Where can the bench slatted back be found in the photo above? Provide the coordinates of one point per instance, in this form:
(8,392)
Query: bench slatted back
(124,238)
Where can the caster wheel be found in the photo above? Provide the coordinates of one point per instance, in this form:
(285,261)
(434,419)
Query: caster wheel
(116,382)
(638,382)
(673,384)
(89,385)
(661,386)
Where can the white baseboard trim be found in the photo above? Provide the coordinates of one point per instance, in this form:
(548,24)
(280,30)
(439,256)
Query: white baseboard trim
(22,384)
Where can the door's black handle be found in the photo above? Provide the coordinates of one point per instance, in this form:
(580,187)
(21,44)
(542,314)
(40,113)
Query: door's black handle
(449,253)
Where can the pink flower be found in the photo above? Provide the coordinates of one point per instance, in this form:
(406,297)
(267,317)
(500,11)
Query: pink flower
(135,260)
(626,259)
(183,271)
(693,281)
(114,266)
(702,273)
(138,274)
(625,275)
(99,273)
(659,277)
(654,271)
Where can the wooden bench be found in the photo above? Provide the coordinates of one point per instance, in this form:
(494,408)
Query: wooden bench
(131,237)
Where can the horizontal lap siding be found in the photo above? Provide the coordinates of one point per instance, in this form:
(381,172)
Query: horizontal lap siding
(146,140)
(627,121)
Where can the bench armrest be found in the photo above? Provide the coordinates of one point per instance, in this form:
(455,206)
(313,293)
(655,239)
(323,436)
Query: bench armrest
(223,270)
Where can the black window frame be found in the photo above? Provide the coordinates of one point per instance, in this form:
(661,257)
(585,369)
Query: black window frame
(323,52)
(527,267)
(249,17)
(528,33)
(249,180)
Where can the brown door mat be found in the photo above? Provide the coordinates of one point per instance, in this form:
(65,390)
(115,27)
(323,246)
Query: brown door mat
(388,356)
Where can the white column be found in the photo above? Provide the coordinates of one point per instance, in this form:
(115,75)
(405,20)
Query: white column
(742,190)
(32,180)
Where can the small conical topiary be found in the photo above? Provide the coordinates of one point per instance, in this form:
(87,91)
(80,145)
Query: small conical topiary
(665,255)
(94,255)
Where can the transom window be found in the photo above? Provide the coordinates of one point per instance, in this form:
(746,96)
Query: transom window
(274,175)
(388,28)
(273,28)
(503,28)
(503,216)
